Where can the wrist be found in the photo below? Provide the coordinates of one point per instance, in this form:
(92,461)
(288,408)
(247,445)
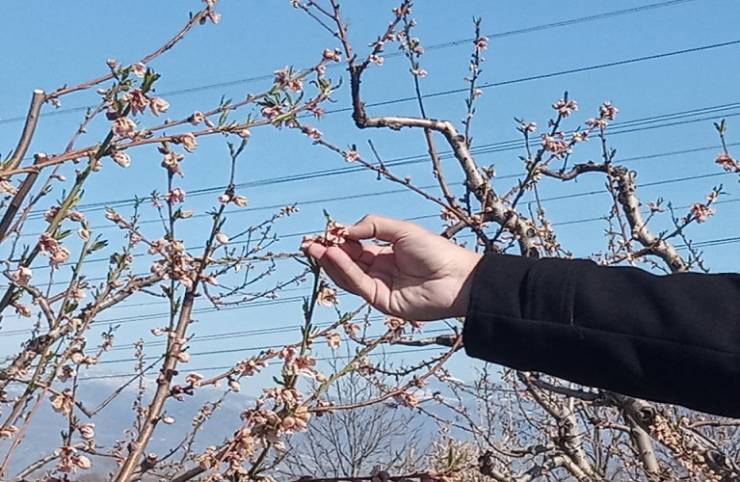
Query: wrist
(467,271)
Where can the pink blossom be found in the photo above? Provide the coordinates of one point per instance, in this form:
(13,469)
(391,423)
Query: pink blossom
(351,155)
(176,195)
(239,200)
(728,163)
(701,212)
(376,59)
(608,111)
(481,43)
(565,107)
(196,118)
(137,100)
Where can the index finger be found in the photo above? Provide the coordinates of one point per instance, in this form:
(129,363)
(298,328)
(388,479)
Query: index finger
(378,227)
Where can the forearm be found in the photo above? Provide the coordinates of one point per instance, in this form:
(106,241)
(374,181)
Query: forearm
(667,338)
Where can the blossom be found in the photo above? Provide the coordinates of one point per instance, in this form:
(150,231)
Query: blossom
(419,72)
(481,43)
(87,430)
(196,118)
(138,69)
(333,340)
(284,78)
(158,105)
(83,233)
(22,309)
(137,101)
(527,127)
(194,379)
(168,420)
(351,155)
(556,145)
(565,107)
(7,432)
(21,276)
(239,200)
(701,212)
(124,127)
(62,402)
(271,111)
(183,356)
(222,238)
(188,141)
(327,296)
(121,158)
(333,55)
(608,111)
(171,162)
(311,132)
(176,195)
(66,373)
(727,162)
(376,59)
(234,385)
(244,133)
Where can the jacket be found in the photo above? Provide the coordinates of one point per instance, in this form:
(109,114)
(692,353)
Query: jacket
(672,338)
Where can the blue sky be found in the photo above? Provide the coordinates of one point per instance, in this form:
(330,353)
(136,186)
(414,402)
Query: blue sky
(47,44)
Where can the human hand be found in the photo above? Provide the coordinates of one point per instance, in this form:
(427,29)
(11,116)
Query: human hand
(419,276)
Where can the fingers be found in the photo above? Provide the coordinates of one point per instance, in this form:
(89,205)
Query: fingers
(346,273)
(385,229)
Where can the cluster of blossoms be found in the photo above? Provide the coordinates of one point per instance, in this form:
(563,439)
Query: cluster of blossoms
(299,365)
(556,144)
(334,235)
(702,212)
(21,276)
(607,113)
(57,253)
(565,107)
(176,263)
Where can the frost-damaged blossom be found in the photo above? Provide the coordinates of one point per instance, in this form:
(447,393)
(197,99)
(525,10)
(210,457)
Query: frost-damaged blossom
(138,69)
(121,158)
(158,105)
(70,460)
(57,253)
(124,127)
(250,367)
(66,373)
(171,162)
(327,296)
(194,379)
(333,55)
(87,430)
(728,163)
(285,78)
(481,43)
(63,402)
(196,118)
(21,276)
(701,212)
(176,195)
(137,101)
(565,107)
(579,136)
(8,431)
(21,309)
(188,141)
(333,340)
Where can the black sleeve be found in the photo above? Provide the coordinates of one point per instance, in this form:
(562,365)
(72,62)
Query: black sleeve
(673,338)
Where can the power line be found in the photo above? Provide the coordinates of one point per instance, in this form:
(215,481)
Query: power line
(437,46)
(636,125)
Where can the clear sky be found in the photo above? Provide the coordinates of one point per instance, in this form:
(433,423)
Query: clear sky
(46,44)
